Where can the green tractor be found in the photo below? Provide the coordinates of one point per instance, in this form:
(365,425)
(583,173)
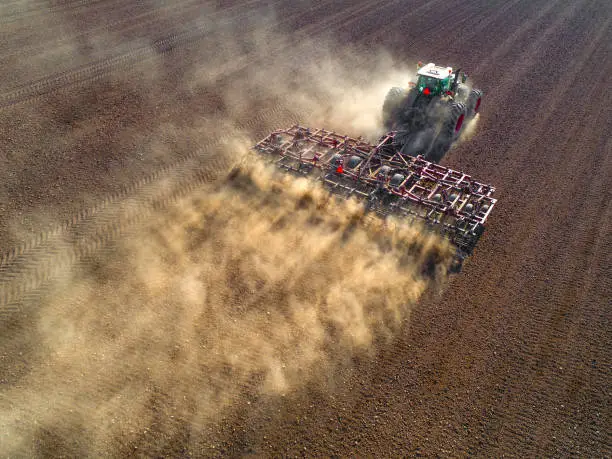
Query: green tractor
(431,114)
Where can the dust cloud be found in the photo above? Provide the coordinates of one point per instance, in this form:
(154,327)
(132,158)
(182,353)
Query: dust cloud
(258,286)
(339,90)
(470,129)
(242,72)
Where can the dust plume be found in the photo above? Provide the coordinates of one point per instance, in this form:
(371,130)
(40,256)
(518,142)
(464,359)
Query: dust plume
(259,286)
(89,140)
(339,90)
(470,128)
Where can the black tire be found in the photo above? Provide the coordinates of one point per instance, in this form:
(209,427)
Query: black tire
(392,107)
(473,102)
(449,132)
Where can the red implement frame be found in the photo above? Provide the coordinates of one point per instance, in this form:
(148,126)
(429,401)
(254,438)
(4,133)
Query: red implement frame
(389,181)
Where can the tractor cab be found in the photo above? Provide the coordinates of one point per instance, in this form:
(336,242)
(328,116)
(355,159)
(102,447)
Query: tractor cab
(434,80)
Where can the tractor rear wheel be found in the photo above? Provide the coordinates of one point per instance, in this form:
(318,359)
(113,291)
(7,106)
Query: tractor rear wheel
(449,132)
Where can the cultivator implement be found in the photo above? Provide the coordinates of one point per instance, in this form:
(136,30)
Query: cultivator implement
(389,182)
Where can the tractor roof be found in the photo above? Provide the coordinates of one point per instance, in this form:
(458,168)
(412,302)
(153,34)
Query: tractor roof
(435,71)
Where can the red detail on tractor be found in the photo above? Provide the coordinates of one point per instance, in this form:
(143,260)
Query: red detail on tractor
(459,123)
(426,91)
(477,106)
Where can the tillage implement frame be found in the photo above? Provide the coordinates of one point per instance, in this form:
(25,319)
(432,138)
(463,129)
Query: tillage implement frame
(386,180)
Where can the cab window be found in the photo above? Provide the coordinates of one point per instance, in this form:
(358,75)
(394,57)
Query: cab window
(428,82)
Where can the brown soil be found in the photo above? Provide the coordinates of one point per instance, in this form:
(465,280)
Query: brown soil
(511,358)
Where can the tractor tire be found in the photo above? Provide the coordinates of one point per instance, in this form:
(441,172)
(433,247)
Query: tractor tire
(393,107)
(449,132)
(473,103)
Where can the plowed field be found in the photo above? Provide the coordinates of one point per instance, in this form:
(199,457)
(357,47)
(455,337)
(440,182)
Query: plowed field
(116,117)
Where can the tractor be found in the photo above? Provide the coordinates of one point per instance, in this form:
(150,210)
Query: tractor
(431,114)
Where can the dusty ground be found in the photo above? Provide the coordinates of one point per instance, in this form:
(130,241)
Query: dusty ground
(512,357)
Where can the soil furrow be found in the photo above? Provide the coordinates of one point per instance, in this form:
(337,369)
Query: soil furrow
(509,358)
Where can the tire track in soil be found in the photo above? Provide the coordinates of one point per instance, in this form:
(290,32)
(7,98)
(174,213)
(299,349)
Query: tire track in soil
(220,75)
(123,10)
(433,16)
(331,23)
(226,73)
(50,10)
(96,70)
(531,167)
(550,324)
(371,30)
(530,172)
(103,67)
(526,65)
(490,18)
(93,71)
(18,251)
(161,15)
(26,269)
(510,44)
(23,259)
